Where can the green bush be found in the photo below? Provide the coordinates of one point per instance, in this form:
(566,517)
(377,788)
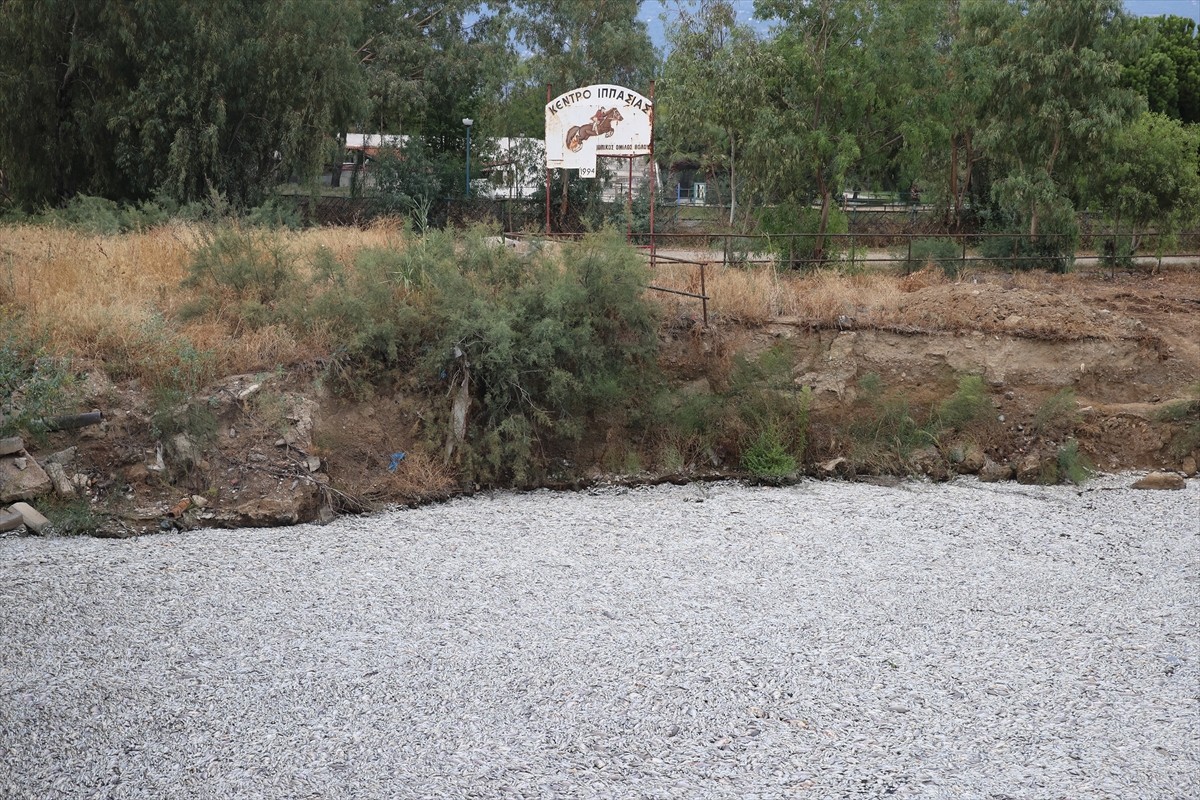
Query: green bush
(33,386)
(1057,415)
(246,268)
(1053,250)
(91,214)
(888,433)
(943,253)
(767,457)
(791,231)
(1186,412)
(1073,465)
(275,212)
(968,406)
(545,355)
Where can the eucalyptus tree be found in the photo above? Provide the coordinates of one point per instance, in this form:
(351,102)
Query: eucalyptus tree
(1149,176)
(711,86)
(427,64)
(1054,99)
(1167,71)
(185,98)
(933,88)
(819,97)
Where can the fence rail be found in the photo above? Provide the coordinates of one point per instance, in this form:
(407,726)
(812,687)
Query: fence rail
(1055,251)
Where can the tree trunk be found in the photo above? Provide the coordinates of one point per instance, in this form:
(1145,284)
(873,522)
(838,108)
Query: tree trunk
(732,179)
(955,196)
(826,202)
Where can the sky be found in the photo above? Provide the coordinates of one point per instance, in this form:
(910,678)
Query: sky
(653,10)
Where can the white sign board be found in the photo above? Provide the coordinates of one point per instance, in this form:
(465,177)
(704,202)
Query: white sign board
(599,120)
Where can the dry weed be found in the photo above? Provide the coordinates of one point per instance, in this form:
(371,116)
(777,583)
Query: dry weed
(422,475)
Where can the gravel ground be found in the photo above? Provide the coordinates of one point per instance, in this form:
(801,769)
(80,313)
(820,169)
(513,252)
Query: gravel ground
(960,640)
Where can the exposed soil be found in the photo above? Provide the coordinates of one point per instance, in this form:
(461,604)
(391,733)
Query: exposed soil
(280,448)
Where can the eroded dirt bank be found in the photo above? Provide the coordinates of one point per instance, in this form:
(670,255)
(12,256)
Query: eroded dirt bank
(1109,363)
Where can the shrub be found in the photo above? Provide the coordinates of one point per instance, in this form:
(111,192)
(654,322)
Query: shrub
(791,231)
(91,214)
(244,277)
(969,405)
(546,354)
(1186,412)
(1057,415)
(766,456)
(944,253)
(33,386)
(1073,465)
(74,517)
(888,432)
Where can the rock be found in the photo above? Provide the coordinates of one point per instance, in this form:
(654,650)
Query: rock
(32,517)
(10,521)
(969,459)
(313,463)
(96,388)
(991,472)
(325,515)
(199,500)
(1031,469)
(1160,480)
(833,465)
(249,391)
(22,484)
(185,450)
(281,506)
(929,462)
(58,476)
(1188,466)
(63,457)
(10,445)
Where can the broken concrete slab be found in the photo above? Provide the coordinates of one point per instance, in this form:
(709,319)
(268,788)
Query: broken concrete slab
(63,486)
(10,521)
(32,517)
(22,484)
(64,457)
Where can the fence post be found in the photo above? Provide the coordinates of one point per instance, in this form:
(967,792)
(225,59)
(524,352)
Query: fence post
(908,263)
(963,266)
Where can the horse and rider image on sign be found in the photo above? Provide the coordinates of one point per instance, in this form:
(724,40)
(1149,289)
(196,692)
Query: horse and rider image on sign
(596,121)
(603,121)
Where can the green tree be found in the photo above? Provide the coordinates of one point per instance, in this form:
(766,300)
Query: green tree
(188,98)
(819,101)
(1149,175)
(711,87)
(426,64)
(1167,71)
(1055,99)
(932,91)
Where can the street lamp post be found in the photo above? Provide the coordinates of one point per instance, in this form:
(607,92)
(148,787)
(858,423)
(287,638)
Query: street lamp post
(467,121)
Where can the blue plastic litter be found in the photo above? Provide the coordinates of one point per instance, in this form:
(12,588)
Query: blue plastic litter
(396,459)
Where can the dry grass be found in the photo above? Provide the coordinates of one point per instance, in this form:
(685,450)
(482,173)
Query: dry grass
(117,299)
